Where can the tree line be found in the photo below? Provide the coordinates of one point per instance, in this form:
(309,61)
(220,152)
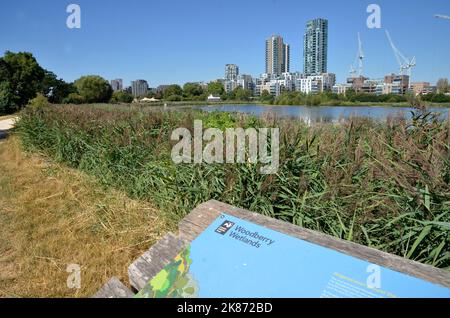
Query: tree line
(197,92)
(350,97)
(22,79)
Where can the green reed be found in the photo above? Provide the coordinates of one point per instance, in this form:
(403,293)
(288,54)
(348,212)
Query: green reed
(384,185)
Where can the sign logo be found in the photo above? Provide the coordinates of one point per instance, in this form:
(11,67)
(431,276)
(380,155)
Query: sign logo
(224,227)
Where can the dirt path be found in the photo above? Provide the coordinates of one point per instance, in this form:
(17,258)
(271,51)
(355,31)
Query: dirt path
(7,124)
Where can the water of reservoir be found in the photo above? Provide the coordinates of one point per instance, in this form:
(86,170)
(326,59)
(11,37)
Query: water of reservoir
(315,114)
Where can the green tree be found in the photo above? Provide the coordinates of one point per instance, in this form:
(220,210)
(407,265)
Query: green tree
(93,89)
(229,96)
(55,89)
(158,95)
(266,97)
(216,88)
(6,98)
(173,90)
(174,98)
(192,90)
(74,98)
(350,93)
(440,98)
(242,94)
(38,102)
(121,97)
(20,78)
(442,85)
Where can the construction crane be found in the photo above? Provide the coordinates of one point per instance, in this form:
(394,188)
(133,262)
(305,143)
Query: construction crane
(404,63)
(352,71)
(359,58)
(441,16)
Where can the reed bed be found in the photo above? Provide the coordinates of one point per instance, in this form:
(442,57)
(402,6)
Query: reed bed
(384,185)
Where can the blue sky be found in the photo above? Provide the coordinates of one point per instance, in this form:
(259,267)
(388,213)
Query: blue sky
(175,41)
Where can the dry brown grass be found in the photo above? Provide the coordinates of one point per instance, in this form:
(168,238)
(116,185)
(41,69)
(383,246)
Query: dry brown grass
(52,216)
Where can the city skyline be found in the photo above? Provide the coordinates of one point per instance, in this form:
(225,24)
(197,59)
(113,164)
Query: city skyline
(111,49)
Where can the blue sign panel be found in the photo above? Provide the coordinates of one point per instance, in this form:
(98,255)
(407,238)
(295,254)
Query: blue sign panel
(236,258)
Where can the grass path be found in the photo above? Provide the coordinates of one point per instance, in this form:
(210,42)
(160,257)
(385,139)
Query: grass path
(52,216)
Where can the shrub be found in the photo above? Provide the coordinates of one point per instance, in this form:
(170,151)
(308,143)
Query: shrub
(74,98)
(121,97)
(38,102)
(174,98)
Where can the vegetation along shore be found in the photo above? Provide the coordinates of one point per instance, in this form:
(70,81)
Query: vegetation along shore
(384,185)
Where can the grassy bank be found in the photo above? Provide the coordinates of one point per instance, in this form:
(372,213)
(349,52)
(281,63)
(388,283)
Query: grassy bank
(52,216)
(382,185)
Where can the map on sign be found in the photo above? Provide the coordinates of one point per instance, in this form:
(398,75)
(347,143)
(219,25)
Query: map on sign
(237,258)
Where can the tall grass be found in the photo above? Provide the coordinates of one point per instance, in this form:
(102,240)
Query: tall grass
(384,185)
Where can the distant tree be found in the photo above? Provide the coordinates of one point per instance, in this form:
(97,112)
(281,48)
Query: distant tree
(20,78)
(440,98)
(328,95)
(216,88)
(313,100)
(174,98)
(192,90)
(266,97)
(436,98)
(242,94)
(7,98)
(121,97)
(442,85)
(151,94)
(38,102)
(74,98)
(172,90)
(158,95)
(350,93)
(229,96)
(55,89)
(93,89)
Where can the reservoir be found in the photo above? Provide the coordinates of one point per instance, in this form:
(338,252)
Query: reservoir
(315,114)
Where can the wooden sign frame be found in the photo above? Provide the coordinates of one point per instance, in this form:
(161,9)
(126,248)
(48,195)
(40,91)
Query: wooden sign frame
(162,253)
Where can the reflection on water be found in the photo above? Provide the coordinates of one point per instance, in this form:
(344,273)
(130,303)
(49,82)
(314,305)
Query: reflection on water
(324,114)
